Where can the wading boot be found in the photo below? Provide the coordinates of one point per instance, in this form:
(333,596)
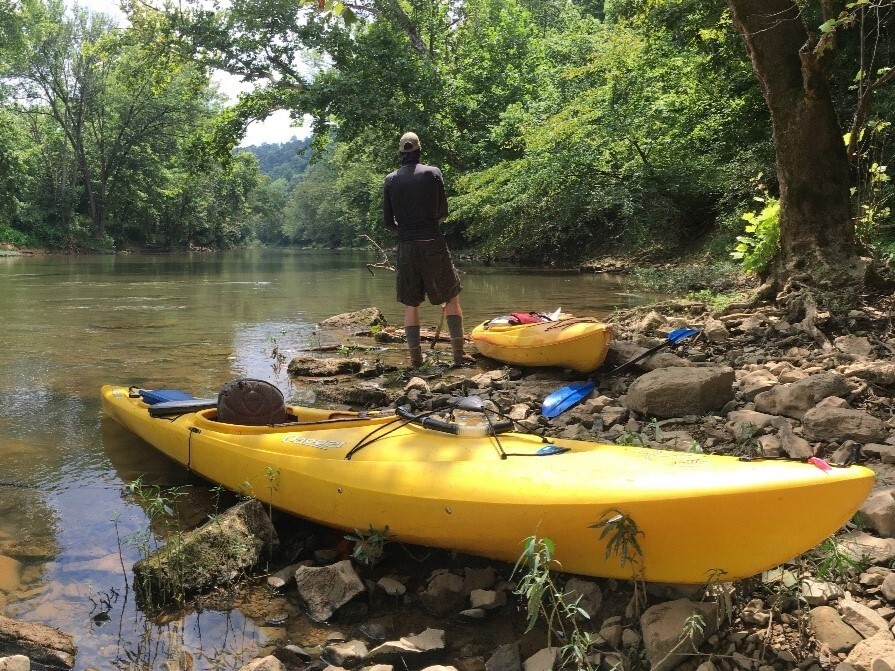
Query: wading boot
(461,358)
(416,357)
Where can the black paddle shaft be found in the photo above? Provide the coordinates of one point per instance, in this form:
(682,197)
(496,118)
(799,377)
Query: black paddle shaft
(640,357)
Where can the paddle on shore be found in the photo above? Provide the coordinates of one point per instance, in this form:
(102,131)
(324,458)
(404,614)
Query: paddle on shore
(571,395)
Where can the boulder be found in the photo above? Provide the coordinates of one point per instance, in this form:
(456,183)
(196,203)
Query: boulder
(410,648)
(366,317)
(794,446)
(505,658)
(862,655)
(863,619)
(347,654)
(757,381)
(878,512)
(881,373)
(715,330)
(214,554)
(585,593)
(857,346)
(662,626)
(867,547)
(795,399)
(41,644)
(545,659)
(269,663)
(325,589)
(445,593)
(838,424)
(15,663)
(673,392)
(308,366)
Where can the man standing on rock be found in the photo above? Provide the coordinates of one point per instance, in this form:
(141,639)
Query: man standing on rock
(414,205)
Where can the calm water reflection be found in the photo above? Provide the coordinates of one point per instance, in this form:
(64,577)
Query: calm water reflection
(71,324)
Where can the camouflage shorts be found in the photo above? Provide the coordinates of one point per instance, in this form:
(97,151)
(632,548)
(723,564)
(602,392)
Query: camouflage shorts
(425,269)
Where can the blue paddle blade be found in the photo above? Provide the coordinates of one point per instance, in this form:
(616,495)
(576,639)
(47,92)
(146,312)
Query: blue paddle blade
(679,334)
(563,399)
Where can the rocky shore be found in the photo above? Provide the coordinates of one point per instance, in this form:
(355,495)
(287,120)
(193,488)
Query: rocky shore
(757,382)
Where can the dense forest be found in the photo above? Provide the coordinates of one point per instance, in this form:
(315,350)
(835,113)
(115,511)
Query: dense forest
(284,163)
(565,129)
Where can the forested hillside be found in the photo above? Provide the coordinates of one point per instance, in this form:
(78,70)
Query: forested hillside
(564,129)
(282,163)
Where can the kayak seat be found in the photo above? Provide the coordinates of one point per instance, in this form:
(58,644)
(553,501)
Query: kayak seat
(251,402)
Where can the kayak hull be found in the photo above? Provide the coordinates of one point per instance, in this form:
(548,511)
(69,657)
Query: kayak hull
(578,343)
(700,517)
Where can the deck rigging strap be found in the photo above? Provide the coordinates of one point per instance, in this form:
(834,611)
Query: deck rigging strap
(493,429)
(470,403)
(565,323)
(427,421)
(375,435)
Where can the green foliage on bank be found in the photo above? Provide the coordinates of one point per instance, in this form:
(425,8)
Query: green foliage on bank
(564,129)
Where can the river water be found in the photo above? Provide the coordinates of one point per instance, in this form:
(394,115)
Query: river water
(69,530)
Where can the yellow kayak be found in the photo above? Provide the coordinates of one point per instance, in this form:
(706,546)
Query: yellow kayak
(579,343)
(482,488)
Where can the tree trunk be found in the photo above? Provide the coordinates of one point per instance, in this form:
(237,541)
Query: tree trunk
(816,228)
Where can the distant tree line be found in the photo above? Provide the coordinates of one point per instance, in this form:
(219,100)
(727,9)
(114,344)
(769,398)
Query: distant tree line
(282,163)
(107,140)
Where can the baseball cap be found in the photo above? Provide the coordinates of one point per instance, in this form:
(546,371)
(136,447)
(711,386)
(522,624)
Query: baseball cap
(409,142)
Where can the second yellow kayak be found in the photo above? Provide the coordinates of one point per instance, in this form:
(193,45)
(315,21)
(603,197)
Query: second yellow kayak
(578,343)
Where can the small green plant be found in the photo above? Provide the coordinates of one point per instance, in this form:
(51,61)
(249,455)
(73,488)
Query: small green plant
(157,503)
(721,593)
(544,598)
(630,438)
(690,638)
(621,534)
(347,350)
(834,564)
(873,190)
(537,581)
(759,245)
(715,302)
(654,426)
(746,444)
(694,627)
(369,548)
(273,484)
(314,340)
(159,507)
(116,520)
(278,357)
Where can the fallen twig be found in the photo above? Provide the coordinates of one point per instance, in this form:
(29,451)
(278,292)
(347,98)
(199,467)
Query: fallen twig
(385,264)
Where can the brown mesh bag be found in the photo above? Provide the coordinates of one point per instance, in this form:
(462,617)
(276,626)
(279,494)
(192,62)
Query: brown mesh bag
(251,402)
